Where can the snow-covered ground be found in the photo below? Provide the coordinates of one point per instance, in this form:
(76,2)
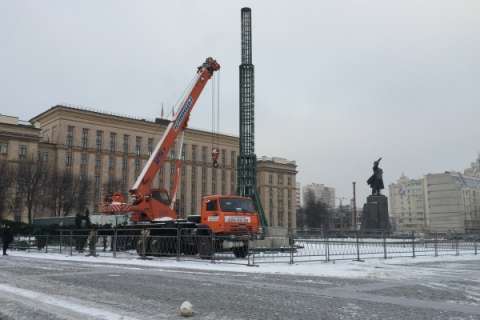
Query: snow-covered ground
(374,268)
(55,286)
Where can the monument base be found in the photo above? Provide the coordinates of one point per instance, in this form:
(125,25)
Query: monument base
(375,214)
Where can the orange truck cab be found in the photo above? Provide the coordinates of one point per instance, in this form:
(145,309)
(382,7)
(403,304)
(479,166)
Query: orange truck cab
(229,215)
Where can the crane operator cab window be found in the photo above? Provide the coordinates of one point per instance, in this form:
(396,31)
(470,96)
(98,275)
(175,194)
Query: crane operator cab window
(212,205)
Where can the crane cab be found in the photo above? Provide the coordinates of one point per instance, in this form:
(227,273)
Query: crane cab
(230,215)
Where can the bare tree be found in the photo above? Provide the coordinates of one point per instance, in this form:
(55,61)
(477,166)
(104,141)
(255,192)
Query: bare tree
(68,192)
(113,185)
(316,212)
(32,177)
(7,174)
(84,194)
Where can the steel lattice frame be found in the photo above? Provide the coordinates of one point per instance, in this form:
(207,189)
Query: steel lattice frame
(247,161)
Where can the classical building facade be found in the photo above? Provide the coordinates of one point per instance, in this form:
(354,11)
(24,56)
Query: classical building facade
(438,202)
(321,192)
(111,150)
(276,182)
(407,204)
(474,170)
(19,141)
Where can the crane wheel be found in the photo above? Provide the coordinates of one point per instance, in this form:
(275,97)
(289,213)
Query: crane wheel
(241,252)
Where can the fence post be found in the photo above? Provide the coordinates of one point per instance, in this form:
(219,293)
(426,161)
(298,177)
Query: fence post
(92,244)
(144,240)
(457,252)
(413,244)
(61,240)
(251,253)
(46,244)
(71,243)
(435,243)
(179,237)
(475,246)
(384,245)
(327,246)
(212,257)
(291,242)
(115,242)
(358,245)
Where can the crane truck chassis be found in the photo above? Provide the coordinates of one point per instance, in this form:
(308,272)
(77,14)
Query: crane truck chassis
(226,222)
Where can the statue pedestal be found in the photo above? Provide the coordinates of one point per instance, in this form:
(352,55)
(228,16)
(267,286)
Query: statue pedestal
(375,214)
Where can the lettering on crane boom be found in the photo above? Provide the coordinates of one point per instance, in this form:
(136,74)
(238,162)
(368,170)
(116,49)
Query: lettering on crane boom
(183,111)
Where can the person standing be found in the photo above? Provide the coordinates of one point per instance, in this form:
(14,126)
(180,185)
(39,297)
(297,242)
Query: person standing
(7,238)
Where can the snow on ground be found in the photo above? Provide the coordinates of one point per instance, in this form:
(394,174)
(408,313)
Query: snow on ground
(398,268)
(47,301)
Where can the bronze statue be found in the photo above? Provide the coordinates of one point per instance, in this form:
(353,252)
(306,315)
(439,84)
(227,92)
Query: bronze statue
(376,180)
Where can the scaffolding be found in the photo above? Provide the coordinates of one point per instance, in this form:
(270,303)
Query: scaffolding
(247,160)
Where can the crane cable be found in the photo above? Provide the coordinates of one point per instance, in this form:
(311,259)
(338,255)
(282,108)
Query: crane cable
(215,119)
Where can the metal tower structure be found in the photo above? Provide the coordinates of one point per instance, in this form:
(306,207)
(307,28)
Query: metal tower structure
(247,160)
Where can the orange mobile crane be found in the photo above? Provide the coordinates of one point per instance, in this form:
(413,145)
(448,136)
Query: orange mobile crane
(230,218)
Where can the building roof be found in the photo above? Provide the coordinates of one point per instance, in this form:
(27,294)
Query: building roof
(96,112)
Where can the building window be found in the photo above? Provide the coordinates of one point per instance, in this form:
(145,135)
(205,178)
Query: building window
(125,163)
(22,152)
(233,159)
(98,162)
(69,141)
(126,137)
(97,186)
(138,146)
(193,204)
(194,153)
(224,157)
(150,146)
(84,138)
(161,177)
(224,182)
(289,181)
(84,159)
(232,181)
(204,154)
(43,156)
(113,142)
(83,165)
(204,181)
(270,178)
(111,163)
(214,181)
(137,165)
(68,159)
(3,147)
(184,153)
(280,179)
(99,140)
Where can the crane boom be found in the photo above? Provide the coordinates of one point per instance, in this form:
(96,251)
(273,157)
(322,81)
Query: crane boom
(143,183)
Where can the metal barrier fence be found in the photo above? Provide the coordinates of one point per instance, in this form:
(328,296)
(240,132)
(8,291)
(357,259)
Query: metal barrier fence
(144,243)
(295,246)
(279,246)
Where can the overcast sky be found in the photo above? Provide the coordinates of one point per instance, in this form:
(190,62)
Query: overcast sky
(338,83)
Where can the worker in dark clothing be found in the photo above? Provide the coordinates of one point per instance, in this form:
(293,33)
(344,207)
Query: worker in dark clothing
(7,237)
